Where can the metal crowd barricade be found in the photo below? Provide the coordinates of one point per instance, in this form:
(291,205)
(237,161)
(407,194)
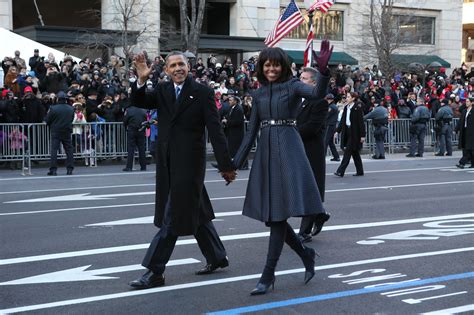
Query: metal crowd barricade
(24,143)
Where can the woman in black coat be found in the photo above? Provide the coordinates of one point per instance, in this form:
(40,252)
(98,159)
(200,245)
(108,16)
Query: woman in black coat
(352,130)
(281,183)
(465,127)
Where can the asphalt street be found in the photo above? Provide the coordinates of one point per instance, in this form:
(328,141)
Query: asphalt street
(400,241)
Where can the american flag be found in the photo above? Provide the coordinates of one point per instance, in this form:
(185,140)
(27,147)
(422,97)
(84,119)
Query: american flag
(322,5)
(290,19)
(308,52)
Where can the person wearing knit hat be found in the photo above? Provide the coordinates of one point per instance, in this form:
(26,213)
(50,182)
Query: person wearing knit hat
(28,89)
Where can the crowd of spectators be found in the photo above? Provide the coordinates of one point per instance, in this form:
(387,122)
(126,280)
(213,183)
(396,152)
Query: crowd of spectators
(99,89)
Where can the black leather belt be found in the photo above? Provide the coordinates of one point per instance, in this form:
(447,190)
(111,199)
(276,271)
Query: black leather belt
(277,122)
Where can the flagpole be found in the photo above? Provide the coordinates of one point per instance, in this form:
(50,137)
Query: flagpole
(310,55)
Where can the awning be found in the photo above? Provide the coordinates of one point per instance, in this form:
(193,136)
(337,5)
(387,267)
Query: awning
(403,61)
(337,57)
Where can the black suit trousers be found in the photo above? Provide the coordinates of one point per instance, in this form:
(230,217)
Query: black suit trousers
(351,150)
(136,139)
(329,141)
(162,245)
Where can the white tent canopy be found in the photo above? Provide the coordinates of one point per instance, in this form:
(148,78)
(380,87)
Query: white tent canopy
(11,42)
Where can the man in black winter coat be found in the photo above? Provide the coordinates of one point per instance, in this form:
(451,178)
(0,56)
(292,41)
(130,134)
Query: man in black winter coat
(311,125)
(59,119)
(186,108)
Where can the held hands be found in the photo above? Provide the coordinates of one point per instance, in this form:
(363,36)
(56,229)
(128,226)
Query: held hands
(143,71)
(325,53)
(229,176)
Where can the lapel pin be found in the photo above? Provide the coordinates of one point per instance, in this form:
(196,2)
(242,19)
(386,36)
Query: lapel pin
(191,97)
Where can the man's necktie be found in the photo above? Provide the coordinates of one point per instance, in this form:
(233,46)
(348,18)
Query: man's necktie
(178,90)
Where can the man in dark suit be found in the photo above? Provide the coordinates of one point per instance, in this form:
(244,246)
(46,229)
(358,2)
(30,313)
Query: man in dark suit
(311,125)
(352,129)
(234,126)
(185,109)
(331,124)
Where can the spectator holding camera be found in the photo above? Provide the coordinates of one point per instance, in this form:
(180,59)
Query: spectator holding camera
(36,64)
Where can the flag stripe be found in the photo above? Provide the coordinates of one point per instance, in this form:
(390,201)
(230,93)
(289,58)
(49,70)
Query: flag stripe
(289,20)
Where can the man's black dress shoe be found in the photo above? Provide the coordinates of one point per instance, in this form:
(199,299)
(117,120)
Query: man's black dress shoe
(410,155)
(305,238)
(335,159)
(357,174)
(375,157)
(127,169)
(52,173)
(319,221)
(210,268)
(148,280)
(439,154)
(418,155)
(460,165)
(339,174)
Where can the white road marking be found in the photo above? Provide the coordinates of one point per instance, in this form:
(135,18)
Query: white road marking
(81,274)
(10,261)
(87,196)
(224,280)
(207,170)
(454,310)
(149,219)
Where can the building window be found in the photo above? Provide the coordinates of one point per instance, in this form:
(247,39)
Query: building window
(325,25)
(415,29)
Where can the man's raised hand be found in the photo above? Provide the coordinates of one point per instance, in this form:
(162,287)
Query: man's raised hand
(143,71)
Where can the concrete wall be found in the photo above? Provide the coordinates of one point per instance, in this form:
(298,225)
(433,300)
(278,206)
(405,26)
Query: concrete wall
(6,20)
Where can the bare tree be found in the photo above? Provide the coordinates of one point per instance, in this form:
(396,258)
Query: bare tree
(129,13)
(380,34)
(191,23)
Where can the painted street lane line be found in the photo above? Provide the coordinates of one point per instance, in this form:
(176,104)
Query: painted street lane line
(87,196)
(116,249)
(149,219)
(81,274)
(337,295)
(142,173)
(224,280)
(454,310)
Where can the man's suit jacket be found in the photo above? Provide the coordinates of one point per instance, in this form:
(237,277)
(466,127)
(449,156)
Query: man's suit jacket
(357,128)
(181,151)
(235,128)
(311,121)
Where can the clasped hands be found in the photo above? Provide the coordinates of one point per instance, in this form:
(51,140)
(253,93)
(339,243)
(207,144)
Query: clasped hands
(229,176)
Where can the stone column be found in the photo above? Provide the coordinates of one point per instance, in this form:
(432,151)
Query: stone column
(149,20)
(6,14)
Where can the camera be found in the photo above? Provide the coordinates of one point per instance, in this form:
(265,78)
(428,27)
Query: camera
(146,124)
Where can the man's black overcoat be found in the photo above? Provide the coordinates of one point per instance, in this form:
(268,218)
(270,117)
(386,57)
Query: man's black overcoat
(311,126)
(181,151)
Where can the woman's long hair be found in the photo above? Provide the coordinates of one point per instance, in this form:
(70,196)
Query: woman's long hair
(276,56)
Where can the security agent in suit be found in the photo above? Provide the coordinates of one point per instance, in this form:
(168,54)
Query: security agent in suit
(234,126)
(185,109)
(331,124)
(132,121)
(443,119)
(420,117)
(465,127)
(379,117)
(310,122)
(352,129)
(59,119)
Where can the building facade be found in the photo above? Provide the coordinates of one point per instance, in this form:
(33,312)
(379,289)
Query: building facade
(238,27)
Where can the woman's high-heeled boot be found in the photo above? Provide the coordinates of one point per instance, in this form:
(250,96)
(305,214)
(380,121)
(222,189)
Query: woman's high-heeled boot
(275,246)
(307,254)
(266,281)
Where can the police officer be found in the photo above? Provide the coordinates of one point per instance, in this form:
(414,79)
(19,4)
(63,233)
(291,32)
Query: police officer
(59,119)
(443,118)
(420,117)
(132,120)
(379,116)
